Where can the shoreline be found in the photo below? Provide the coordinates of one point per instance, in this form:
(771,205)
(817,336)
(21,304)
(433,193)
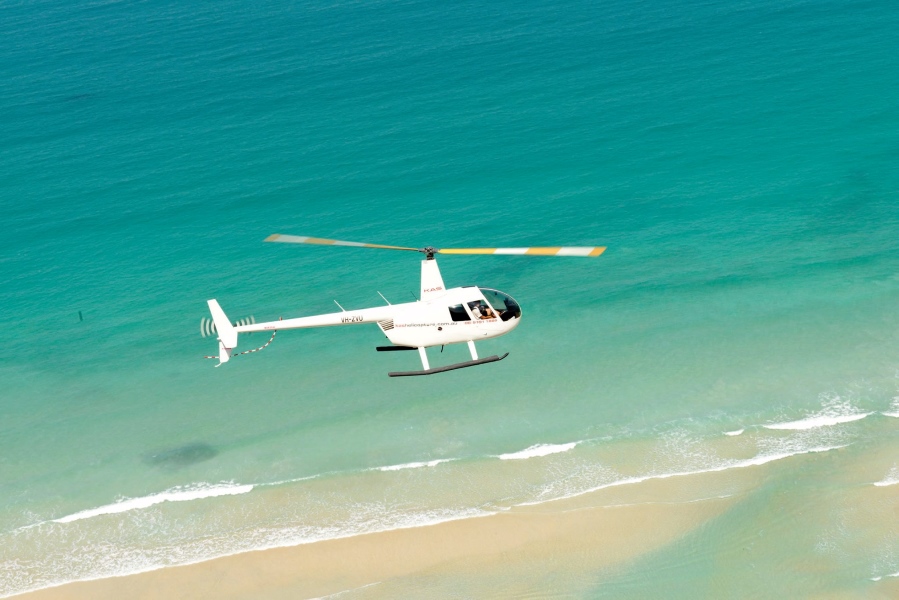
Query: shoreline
(578,537)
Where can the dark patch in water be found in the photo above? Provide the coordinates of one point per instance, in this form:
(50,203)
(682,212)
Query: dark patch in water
(182,456)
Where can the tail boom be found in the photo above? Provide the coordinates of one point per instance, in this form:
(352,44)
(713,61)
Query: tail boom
(227,332)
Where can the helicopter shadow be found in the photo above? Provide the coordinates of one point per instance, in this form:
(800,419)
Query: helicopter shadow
(181,456)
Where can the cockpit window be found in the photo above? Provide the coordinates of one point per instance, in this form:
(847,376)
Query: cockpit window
(457,313)
(502,303)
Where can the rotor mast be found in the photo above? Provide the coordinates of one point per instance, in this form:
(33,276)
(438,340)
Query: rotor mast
(429,252)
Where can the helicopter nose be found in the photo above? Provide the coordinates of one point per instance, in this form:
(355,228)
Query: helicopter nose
(512,323)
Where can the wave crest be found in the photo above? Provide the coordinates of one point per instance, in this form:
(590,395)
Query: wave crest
(414,465)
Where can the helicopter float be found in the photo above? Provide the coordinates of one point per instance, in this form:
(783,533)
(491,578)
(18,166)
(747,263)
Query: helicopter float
(439,317)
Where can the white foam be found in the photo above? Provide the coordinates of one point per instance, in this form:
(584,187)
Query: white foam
(878,578)
(415,465)
(891,479)
(733,433)
(176,494)
(538,450)
(740,464)
(286,481)
(824,420)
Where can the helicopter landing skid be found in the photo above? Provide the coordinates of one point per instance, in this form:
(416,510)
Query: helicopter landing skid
(461,365)
(394,348)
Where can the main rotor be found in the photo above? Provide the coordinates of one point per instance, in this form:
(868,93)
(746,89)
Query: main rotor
(430,251)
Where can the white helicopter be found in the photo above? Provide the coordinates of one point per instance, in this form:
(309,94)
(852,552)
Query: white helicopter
(440,317)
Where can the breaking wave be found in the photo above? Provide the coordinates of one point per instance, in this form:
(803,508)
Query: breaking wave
(538,450)
(176,494)
(891,479)
(894,409)
(835,412)
(818,421)
(414,465)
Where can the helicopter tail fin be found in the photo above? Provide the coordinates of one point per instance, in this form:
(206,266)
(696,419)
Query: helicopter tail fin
(226,331)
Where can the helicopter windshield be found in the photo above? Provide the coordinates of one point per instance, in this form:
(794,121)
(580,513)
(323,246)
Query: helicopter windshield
(502,303)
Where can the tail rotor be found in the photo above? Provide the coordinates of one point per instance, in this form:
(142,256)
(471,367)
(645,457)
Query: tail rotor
(208,329)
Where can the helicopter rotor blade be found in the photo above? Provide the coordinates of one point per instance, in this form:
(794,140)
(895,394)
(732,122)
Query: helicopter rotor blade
(586,251)
(299,239)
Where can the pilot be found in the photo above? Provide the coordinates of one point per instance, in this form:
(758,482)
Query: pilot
(475,310)
(487,313)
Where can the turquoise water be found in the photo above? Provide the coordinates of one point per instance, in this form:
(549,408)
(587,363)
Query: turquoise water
(738,159)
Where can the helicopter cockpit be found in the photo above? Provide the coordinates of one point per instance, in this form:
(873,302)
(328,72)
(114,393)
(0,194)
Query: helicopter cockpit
(503,304)
(493,305)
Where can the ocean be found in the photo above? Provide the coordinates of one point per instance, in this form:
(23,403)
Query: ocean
(737,158)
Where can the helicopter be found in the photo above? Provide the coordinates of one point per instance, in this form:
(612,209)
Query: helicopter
(439,317)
